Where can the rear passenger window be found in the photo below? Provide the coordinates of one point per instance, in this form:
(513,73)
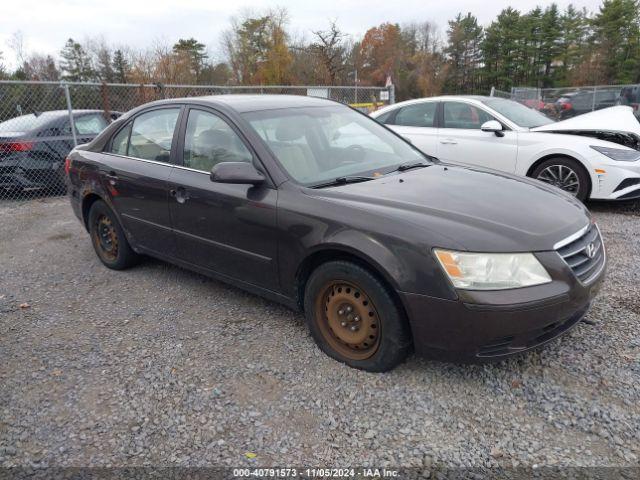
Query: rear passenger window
(417,115)
(210,140)
(90,124)
(152,134)
(120,142)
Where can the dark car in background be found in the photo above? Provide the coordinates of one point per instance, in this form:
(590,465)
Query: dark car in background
(317,206)
(33,147)
(631,96)
(584,101)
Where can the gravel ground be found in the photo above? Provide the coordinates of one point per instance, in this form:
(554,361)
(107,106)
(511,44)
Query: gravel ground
(161,366)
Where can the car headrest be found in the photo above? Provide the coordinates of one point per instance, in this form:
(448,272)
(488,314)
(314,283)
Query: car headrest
(214,139)
(288,131)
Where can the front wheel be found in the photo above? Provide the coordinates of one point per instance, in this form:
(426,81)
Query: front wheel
(566,174)
(354,319)
(108,238)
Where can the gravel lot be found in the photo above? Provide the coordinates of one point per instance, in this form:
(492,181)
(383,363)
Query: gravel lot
(161,366)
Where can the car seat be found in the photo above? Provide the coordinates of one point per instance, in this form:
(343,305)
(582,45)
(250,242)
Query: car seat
(297,158)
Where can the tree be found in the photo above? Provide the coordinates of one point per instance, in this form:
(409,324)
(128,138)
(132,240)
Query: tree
(3,71)
(423,70)
(40,67)
(574,32)
(120,67)
(330,51)
(76,63)
(501,49)
(381,53)
(550,44)
(218,74)
(193,53)
(257,49)
(463,52)
(616,35)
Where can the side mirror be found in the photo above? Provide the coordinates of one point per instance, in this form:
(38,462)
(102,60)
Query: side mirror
(237,173)
(493,126)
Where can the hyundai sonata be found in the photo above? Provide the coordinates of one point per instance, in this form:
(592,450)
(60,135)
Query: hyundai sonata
(312,204)
(595,155)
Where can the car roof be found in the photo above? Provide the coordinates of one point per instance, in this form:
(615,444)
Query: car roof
(62,113)
(441,98)
(243,103)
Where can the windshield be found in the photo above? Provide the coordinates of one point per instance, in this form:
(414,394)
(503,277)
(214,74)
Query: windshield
(318,144)
(518,113)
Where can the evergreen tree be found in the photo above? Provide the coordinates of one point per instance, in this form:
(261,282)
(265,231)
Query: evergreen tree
(75,63)
(500,50)
(194,52)
(120,67)
(463,50)
(104,65)
(573,43)
(616,33)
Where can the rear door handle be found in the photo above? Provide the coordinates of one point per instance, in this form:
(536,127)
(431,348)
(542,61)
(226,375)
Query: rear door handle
(448,141)
(180,194)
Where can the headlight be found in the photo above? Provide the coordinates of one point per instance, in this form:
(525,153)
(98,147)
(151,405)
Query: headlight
(492,271)
(618,153)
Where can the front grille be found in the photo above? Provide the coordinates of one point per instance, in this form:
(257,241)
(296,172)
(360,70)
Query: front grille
(585,255)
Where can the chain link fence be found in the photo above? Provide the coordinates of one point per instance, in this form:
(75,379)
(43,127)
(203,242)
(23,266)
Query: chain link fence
(40,122)
(563,103)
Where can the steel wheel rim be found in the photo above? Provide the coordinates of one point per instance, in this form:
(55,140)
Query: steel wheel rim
(562,177)
(348,320)
(105,238)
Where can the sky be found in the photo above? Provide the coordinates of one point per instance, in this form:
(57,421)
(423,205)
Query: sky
(45,25)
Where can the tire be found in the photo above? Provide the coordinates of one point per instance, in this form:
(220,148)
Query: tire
(376,336)
(569,171)
(108,238)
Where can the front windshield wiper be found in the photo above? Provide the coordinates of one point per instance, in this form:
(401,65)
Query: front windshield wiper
(409,165)
(344,180)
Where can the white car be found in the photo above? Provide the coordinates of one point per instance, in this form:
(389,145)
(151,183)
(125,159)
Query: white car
(595,155)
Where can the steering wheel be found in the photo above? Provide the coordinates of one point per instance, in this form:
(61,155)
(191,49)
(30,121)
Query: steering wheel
(355,153)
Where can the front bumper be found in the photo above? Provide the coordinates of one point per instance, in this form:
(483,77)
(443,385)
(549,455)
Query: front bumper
(621,181)
(492,325)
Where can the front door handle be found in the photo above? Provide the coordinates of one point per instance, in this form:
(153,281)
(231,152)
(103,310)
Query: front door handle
(448,141)
(180,194)
(112,176)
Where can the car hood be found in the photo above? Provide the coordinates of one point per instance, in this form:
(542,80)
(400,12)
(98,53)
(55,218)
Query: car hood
(613,119)
(466,208)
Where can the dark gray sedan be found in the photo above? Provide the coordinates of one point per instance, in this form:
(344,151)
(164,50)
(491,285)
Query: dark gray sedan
(312,204)
(33,147)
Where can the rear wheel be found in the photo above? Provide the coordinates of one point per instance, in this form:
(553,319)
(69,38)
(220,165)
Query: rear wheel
(108,238)
(354,319)
(564,173)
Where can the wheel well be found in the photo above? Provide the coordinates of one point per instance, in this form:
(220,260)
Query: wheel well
(557,155)
(87,201)
(314,260)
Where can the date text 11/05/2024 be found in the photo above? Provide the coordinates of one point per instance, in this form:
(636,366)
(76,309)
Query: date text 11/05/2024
(314,473)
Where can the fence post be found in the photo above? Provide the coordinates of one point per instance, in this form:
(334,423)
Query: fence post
(392,94)
(493,92)
(70,109)
(593,104)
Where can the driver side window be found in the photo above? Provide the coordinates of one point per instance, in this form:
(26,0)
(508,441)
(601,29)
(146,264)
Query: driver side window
(464,116)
